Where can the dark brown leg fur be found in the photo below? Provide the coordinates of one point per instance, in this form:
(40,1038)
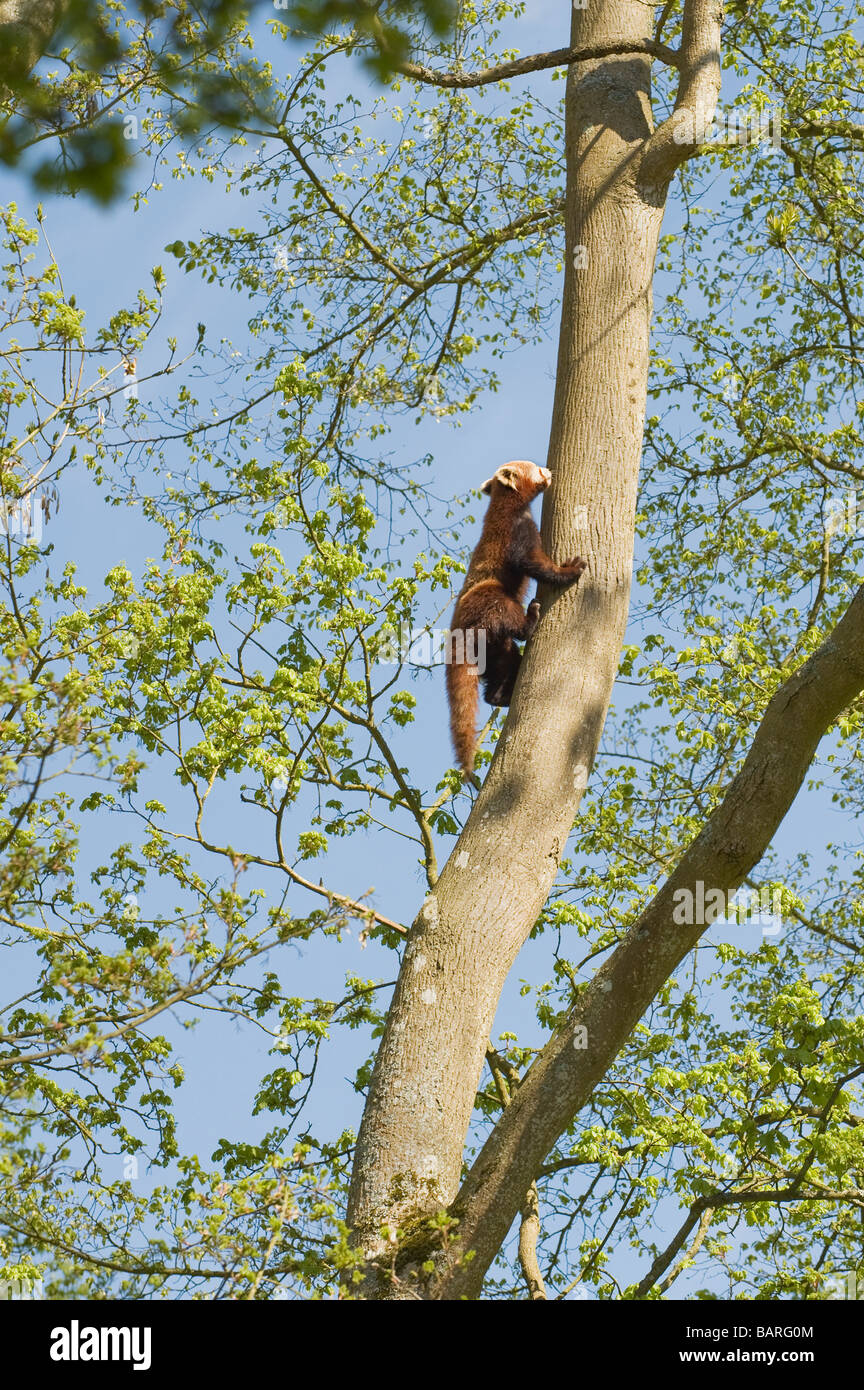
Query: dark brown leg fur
(503,660)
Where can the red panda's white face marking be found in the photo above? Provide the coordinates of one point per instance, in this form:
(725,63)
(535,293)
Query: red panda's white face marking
(522,476)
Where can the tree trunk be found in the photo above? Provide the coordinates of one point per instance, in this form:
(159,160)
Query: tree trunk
(733,839)
(471,927)
(26,27)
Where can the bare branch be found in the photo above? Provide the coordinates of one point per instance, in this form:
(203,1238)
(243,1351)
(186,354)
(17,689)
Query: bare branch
(703,1210)
(535,62)
(506,1078)
(345,217)
(528,1234)
(699,1215)
(818,130)
(692,1251)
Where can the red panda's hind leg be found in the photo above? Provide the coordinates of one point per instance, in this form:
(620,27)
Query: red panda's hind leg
(502,657)
(503,660)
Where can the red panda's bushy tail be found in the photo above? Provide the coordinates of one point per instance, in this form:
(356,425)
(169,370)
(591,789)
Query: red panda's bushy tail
(462,694)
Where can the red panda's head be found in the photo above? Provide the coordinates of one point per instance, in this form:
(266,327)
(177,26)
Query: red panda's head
(524,478)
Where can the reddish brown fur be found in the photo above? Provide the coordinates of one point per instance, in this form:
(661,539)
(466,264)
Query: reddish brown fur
(508,554)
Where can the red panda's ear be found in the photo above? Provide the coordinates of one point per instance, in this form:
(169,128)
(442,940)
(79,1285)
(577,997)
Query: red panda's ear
(506,474)
(509,476)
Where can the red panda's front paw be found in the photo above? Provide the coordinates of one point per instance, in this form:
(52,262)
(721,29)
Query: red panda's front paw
(576,566)
(532,616)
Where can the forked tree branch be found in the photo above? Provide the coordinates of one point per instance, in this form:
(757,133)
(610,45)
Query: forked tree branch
(698,90)
(703,1209)
(732,840)
(699,1216)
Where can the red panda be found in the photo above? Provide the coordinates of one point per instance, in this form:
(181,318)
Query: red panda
(489,619)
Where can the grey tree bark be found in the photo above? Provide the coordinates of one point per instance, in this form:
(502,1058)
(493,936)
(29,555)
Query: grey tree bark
(470,928)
